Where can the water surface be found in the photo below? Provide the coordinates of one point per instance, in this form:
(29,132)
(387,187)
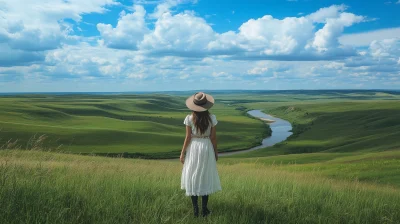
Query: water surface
(281,130)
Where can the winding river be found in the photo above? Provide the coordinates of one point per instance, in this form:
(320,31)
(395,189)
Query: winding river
(281,130)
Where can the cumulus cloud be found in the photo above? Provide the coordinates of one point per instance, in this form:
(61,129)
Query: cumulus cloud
(129,31)
(100,62)
(288,35)
(294,38)
(323,14)
(387,48)
(381,57)
(165,6)
(30,26)
(15,57)
(87,60)
(28,29)
(185,34)
(181,34)
(169,45)
(327,38)
(162,8)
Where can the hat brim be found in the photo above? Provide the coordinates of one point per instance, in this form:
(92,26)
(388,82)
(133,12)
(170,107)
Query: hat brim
(199,108)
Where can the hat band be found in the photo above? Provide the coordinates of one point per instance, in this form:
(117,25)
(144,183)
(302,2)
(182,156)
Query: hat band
(200,102)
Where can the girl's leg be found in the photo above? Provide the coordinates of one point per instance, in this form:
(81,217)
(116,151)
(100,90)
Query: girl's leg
(204,203)
(195,206)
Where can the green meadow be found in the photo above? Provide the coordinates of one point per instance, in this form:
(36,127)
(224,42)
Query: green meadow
(353,136)
(337,127)
(138,125)
(45,187)
(341,165)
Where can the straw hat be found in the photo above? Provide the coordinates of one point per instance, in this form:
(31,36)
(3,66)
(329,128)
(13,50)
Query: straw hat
(200,102)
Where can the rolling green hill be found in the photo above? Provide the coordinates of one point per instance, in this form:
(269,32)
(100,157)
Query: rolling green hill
(347,126)
(148,125)
(341,165)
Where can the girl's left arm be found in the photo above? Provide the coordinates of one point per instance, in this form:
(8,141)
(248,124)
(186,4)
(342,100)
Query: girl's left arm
(186,143)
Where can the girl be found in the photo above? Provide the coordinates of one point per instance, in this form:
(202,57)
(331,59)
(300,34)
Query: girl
(199,173)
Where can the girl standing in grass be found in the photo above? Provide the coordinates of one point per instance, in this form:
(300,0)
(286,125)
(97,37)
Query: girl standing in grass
(199,173)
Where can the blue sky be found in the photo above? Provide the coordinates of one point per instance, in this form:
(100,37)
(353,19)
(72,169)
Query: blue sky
(153,45)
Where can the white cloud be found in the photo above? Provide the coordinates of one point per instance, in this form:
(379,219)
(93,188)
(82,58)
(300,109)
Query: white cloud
(14,57)
(104,65)
(187,35)
(290,38)
(27,27)
(85,60)
(381,57)
(257,71)
(323,14)
(183,34)
(165,7)
(129,31)
(179,47)
(327,37)
(162,8)
(387,48)
(24,20)
(289,35)
(225,43)
(365,38)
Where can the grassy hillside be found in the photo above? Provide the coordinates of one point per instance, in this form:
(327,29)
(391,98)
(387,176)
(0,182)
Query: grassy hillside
(377,167)
(142,124)
(272,96)
(352,140)
(42,187)
(341,165)
(151,125)
(348,126)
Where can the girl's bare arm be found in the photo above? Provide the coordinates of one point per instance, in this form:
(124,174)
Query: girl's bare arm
(186,143)
(214,141)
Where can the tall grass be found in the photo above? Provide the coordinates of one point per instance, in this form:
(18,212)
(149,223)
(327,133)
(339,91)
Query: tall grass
(34,143)
(46,187)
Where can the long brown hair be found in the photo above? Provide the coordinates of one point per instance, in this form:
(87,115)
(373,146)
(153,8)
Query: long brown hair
(201,120)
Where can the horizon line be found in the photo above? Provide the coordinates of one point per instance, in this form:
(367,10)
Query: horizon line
(194,90)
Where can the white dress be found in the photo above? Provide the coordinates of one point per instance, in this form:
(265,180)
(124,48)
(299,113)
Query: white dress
(199,173)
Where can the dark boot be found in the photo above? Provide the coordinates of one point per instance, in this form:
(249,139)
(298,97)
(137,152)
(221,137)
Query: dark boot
(195,206)
(205,211)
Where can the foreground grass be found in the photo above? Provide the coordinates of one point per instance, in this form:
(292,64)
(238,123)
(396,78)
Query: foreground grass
(377,167)
(42,187)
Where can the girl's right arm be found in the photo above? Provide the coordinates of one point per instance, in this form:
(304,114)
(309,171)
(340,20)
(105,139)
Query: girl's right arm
(186,143)
(214,141)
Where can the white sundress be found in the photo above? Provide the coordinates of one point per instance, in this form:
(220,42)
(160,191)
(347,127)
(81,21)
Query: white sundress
(199,173)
